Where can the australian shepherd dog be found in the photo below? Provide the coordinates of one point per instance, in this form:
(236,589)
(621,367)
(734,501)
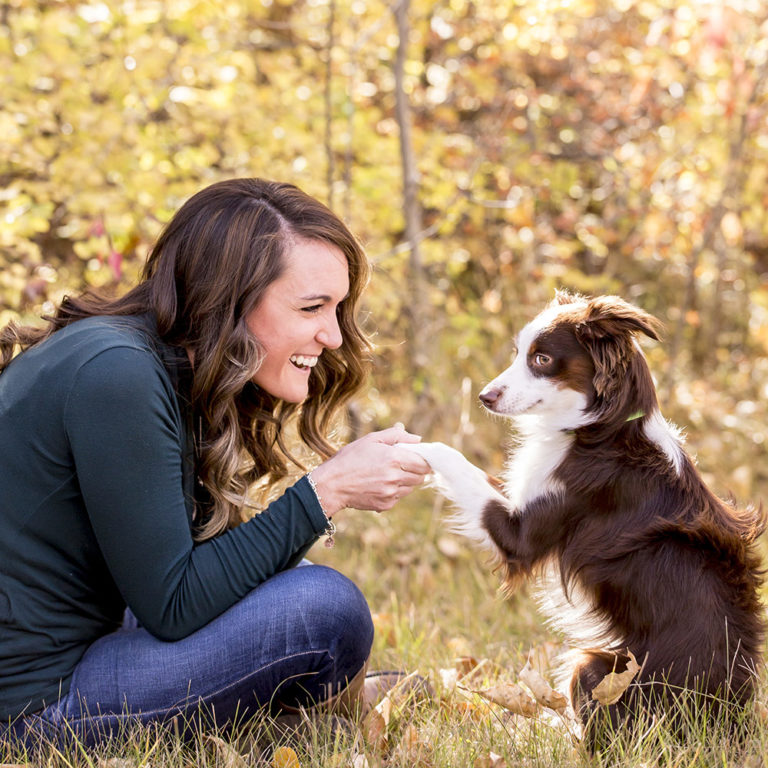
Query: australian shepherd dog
(632,552)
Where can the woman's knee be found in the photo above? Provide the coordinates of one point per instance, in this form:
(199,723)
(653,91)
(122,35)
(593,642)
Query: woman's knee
(336,613)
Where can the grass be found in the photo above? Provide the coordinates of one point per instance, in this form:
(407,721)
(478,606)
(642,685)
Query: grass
(434,600)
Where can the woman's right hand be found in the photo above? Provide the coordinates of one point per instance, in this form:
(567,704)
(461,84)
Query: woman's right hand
(371,473)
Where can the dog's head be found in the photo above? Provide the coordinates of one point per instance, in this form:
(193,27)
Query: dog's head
(578,363)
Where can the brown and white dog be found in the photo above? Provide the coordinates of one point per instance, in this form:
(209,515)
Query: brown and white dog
(600,502)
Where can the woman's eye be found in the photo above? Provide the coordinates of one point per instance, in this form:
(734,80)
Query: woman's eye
(315,308)
(540,359)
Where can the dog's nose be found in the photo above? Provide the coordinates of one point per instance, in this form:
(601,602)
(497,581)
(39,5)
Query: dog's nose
(490,396)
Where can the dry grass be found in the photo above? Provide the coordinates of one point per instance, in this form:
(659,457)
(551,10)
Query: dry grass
(434,600)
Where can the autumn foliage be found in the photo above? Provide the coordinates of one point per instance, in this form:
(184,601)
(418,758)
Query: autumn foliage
(598,145)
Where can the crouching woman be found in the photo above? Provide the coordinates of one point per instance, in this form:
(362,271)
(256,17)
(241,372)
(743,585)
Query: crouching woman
(135,582)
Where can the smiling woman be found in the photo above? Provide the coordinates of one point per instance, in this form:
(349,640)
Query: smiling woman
(134,582)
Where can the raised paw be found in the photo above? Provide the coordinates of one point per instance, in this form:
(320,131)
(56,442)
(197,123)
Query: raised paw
(441,457)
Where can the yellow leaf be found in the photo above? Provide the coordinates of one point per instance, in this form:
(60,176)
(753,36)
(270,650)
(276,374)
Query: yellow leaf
(285,757)
(610,689)
(512,697)
(541,690)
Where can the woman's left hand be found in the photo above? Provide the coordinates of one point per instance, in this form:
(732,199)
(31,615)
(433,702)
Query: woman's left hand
(371,473)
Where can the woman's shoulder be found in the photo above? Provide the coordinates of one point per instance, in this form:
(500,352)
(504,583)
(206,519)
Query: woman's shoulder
(127,342)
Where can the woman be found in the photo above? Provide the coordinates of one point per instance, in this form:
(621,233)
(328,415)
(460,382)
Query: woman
(132,431)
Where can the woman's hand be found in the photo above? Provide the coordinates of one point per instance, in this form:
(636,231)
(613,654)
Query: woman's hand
(371,473)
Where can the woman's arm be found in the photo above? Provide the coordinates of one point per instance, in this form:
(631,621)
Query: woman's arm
(125,432)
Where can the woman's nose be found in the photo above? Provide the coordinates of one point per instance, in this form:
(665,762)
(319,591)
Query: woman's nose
(330,334)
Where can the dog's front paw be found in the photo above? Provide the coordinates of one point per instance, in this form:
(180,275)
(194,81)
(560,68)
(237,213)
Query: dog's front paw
(441,457)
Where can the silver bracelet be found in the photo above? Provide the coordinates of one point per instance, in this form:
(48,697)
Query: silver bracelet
(330,528)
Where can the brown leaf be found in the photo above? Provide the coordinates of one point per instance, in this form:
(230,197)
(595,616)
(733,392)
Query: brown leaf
(465,664)
(541,690)
(512,697)
(226,754)
(610,689)
(491,760)
(376,724)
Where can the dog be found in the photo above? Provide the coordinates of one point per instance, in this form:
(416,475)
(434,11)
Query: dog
(633,553)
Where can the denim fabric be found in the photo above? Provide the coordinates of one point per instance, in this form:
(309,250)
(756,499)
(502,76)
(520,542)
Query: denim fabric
(293,640)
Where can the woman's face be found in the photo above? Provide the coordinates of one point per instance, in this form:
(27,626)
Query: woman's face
(296,318)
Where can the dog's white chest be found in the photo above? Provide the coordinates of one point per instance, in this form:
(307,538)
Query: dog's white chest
(530,471)
(572,614)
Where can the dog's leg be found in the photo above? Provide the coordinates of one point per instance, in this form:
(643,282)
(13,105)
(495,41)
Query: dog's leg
(469,488)
(600,722)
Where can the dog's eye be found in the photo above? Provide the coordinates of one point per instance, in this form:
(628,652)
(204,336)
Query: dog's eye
(540,359)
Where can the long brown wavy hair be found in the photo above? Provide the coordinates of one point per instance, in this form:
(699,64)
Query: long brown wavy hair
(209,268)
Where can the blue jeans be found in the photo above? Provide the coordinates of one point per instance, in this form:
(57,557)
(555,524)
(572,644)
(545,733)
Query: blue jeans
(292,641)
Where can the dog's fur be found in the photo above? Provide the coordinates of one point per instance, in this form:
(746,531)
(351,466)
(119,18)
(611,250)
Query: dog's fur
(603,504)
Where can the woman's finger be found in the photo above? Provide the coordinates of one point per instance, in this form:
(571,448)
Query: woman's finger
(396,434)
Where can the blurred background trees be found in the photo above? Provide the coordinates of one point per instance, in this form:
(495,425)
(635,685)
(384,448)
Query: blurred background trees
(485,151)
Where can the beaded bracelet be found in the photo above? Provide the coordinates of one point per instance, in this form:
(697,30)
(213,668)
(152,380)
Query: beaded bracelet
(330,528)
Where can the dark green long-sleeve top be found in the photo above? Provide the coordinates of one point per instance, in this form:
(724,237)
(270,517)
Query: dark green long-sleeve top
(96,501)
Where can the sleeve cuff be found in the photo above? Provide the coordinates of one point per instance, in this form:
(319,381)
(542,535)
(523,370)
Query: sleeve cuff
(311,505)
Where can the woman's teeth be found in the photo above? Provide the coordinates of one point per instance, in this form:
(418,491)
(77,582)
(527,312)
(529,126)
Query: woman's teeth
(304,362)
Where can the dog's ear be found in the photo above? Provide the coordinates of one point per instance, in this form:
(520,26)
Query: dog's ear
(612,316)
(607,329)
(563,296)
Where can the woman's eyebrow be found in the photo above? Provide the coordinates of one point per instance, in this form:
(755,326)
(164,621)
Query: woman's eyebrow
(315,297)
(321,297)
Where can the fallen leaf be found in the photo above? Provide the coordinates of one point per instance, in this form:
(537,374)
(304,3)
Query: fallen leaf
(541,690)
(512,697)
(360,761)
(491,760)
(285,757)
(465,664)
(227,755)
(376,723)
(610,689)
